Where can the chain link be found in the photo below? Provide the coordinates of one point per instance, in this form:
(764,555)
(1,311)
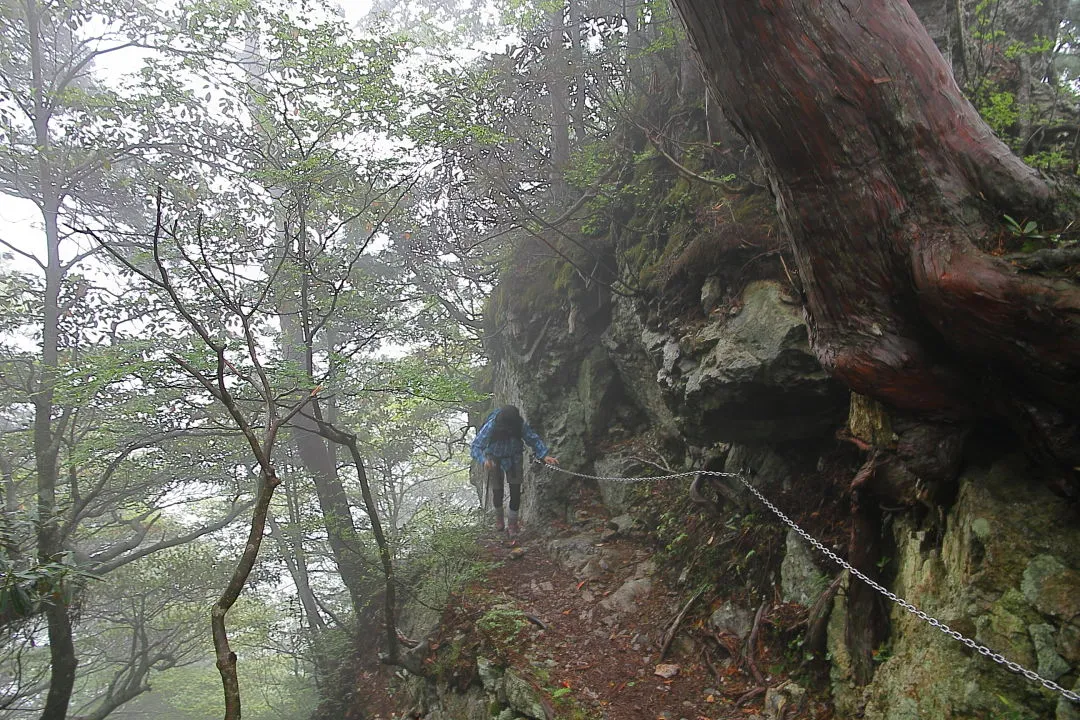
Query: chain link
(909,607)
(651,478)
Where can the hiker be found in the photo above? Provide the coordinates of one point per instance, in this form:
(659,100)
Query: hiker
(498,446)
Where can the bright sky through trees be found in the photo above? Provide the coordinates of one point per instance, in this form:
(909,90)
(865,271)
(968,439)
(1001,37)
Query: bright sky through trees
(20,221)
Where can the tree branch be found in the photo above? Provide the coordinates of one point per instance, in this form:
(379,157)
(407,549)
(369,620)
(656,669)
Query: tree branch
(122,560)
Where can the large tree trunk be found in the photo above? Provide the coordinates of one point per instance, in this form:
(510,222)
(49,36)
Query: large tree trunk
(47,429)
(578,67)
(884,175)
(317,455)
(319,460)
(393,655)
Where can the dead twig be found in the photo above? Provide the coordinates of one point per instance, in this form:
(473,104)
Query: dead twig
(866,471)
(791,280)
(669,634)
(818,619)
(729,642)
(708,663)
(407,642)
(749,696)
(536,621)
(1047,259)
(751,646)
(697,495)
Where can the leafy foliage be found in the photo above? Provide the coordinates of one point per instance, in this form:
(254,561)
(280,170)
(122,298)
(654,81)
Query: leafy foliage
(23,591)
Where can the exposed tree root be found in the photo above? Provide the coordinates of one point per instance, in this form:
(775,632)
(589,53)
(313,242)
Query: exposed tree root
(817,621)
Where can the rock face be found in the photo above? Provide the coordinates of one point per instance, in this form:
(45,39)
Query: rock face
(1000,576)
(801,578)
(618,389)
(499,688)
(749,376)
(745,376)
(732,620)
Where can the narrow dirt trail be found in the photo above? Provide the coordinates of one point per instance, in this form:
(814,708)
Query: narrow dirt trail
(591,611)
(602,634)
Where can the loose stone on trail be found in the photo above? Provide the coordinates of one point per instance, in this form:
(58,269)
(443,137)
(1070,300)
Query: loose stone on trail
(666,670)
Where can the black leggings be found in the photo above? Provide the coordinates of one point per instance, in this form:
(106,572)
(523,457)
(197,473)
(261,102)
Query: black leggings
(513,478)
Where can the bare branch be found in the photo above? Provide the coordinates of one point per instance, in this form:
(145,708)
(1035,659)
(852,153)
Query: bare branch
(163,544)
(27,255)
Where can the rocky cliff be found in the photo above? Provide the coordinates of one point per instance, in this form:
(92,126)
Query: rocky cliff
(708,366)
(669,337)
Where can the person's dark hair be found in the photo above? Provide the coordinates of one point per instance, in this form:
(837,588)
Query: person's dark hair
(507,423)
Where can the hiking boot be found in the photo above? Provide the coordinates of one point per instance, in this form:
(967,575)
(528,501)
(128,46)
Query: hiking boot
(499,524)
(513,527)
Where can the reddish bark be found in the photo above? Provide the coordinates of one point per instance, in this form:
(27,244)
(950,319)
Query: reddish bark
(884,175)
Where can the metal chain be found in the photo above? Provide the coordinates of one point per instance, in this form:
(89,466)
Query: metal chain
(556,468)
(911,608)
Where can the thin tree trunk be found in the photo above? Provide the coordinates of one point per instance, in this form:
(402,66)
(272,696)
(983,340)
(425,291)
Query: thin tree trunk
(635,41)
(11,506)
(866,623)
(578,67)
(344,540)
(690,84)
(226,658)
(46,431)
(385,555)
(560,103)
(299,555)
(296,563)
(47,463)
(960,45)
(261,446)
(1024,84)
(936,17)
(394,496)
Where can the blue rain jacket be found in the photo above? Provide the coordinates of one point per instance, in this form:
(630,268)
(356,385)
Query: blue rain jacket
(505,451)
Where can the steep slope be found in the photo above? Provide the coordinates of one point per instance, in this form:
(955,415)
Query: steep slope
(684,350)
(636,387)
(994,556)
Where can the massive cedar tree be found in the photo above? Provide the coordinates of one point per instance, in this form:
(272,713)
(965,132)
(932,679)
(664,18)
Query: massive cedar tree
(888,182)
